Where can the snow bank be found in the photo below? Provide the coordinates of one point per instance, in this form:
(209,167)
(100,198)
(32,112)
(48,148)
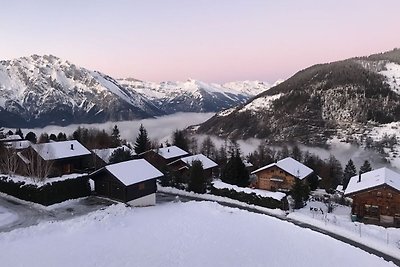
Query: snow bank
(30,181)
(258,192)
(7,217)
(339,222)
(176,234)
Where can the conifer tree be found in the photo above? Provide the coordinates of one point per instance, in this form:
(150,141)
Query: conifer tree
(115,136)
(349,171)
(180,140)
(31,136)
(197,180)
(366,167)
(120,155)
(19,132)
(142,143)
(235,172)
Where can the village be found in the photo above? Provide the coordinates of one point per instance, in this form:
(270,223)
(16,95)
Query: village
(54,169)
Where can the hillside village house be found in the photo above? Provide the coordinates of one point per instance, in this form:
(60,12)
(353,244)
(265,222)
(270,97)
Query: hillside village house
(376,196)
(281,175)
(132,181)
(58,158)
(160,157)
(183,164)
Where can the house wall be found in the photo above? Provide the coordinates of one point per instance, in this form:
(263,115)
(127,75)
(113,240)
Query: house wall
(108,186)
(139,190)
(381,203)
(156,160)
(149,200)
(273,179)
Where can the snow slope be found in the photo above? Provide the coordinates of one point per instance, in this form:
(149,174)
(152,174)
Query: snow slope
(193,95)
(176,234)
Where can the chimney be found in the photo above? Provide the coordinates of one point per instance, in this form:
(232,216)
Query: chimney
(168,150)
(359,177)
(72,146)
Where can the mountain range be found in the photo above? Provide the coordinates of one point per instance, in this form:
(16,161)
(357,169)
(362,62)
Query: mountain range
(338,99)
(43,90)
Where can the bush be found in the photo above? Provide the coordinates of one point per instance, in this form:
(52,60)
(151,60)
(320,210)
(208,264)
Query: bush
(252,198)
(47,194)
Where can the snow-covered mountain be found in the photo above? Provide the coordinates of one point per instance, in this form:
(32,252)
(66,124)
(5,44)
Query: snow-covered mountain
(42,90)
(338,99)
(196,96)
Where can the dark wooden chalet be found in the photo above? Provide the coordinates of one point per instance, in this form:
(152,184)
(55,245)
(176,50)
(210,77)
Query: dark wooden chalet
(132,181)
(59,158)
(376,196)
(182,165)
(281,175)
(161,157)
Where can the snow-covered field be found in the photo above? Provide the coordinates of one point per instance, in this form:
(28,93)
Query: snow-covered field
(339,222)
(6,216)
(176,234)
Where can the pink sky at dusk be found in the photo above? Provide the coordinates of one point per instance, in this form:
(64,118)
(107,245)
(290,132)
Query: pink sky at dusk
(214,41)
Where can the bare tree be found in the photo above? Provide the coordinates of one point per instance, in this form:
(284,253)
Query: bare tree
(36,167)
(8,160)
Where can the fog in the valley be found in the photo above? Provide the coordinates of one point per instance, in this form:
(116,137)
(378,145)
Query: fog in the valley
(161,128)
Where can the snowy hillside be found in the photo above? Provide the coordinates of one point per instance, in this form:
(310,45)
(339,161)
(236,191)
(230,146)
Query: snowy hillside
(319,103)
(40,90)
(196,96)
(176,234)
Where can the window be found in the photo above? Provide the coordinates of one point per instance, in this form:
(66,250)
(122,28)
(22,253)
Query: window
(379,194)
(371,210)
(142,186)
(389,195)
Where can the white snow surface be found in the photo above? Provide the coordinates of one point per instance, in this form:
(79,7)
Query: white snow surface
(171,152)
(23,144)
(262,193)
(191,234)
(6,216)
(207,163)
(291,166)
(260,103)
(339,222)
(392,74)
(133,171)
(60,150)
(372,179)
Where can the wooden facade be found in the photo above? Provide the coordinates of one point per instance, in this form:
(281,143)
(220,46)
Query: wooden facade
(274,178)
(109,186)
(157,160)
(380,204)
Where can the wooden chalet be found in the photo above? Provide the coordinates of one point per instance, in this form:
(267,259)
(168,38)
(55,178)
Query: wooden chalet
(161,157)
(281,175)
(60,158)
(132,181)
(376,196)
(182,165)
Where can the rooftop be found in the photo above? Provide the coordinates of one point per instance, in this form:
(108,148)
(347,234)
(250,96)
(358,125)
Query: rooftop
(373,179)
(171,152)
(291,166)
(60,150)
(207,163)
(133,171)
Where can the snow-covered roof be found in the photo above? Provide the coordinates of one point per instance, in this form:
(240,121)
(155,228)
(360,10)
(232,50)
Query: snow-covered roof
(23,144)
(339,188)
(133,171)
(207,163)
(105,153)
(13,137)
(60,150)
(291,166)
(373,179)
(171,152)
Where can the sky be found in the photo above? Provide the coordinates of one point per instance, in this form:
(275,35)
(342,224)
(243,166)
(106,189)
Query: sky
(213,41)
